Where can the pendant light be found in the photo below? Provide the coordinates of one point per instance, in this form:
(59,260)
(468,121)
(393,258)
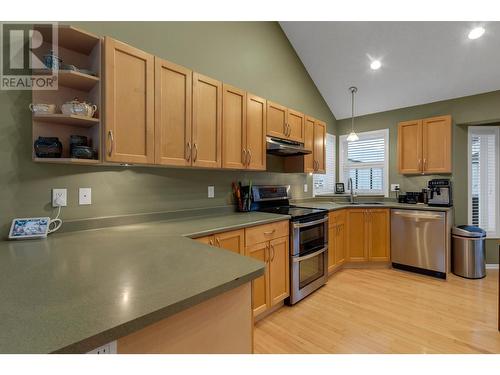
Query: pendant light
(352,137)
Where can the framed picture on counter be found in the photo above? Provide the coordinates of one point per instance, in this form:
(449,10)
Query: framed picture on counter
(339,188)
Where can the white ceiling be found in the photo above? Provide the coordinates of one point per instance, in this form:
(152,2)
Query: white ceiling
(422,62)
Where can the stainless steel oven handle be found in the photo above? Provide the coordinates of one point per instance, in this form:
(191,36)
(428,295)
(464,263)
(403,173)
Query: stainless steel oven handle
(310,223)
(305,257)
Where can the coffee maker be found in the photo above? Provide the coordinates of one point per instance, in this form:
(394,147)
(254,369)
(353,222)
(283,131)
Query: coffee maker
(439,193)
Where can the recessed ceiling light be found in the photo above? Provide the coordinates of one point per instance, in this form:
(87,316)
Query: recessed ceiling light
(376,64)
(476,33)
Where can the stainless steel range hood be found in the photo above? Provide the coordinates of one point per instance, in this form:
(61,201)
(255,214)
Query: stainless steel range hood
(281,147)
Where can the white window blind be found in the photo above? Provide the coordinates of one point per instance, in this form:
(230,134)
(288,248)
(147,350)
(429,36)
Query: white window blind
(325,183)
(484,179)
(366,161)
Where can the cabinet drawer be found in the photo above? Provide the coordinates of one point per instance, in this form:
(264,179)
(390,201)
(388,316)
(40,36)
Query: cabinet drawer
(266,232)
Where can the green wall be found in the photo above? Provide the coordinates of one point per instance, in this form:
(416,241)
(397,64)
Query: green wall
(484,108)
(255,56)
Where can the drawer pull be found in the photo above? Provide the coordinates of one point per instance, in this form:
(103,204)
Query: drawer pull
(268,233)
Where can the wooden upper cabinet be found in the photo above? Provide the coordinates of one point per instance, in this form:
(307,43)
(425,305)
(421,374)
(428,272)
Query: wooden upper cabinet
(424,146)
(173,100)
(234,128)
(410,147)
(207,122)
(256,132)
(436,151)
(129,97)
(379,235)
(260,286)
(279,270)
(357,235)
(233,241)
(320,147)
(295,122)
(276,120)
(309,144)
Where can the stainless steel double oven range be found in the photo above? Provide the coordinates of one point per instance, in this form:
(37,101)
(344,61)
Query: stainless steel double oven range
(308,239)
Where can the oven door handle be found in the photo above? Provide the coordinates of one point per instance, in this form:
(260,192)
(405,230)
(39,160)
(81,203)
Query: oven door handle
(310,223)
(312,255)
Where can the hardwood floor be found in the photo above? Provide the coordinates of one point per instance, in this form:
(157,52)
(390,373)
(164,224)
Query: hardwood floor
(387,311)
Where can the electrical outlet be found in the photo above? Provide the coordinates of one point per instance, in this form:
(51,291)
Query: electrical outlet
(109,348)
(59,197)
(305,188)
(394,187)
(211,191)
(84,196)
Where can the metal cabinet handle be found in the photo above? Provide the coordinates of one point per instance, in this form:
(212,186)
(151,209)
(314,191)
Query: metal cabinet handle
(195,152)
(425,164)
(249,154)
(211,242)
(244,157)
(419,164)
(217,240)
(112,139)
(266,254)
(273,253)
(188,151)
(268,233)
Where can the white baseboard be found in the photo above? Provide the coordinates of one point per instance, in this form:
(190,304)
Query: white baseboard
(491,266)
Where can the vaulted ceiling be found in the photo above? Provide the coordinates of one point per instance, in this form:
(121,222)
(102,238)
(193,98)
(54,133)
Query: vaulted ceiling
(422,62)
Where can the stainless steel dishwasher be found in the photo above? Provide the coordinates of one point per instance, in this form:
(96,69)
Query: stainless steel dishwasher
(418,241)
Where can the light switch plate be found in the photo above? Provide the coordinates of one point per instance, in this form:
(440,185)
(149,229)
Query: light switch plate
(211,191)
(305,188)
(84,196)
(394,187)
(60,196)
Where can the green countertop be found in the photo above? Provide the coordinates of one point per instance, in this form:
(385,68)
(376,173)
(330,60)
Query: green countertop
(75,291)
(333,206)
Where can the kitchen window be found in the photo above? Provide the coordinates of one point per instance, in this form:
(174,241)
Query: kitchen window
(366,161)
(325,183)
(483,162)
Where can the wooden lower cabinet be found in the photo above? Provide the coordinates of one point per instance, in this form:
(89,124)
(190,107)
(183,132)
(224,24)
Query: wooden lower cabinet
(380,235)
(336,240)
(368,235)
(233,241)
(279,270)
(260,286)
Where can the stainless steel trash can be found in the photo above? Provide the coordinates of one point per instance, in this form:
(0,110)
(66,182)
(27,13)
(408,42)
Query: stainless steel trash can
(468,252)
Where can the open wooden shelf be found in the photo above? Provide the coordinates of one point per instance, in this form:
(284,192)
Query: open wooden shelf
(66,160)
(71,78)
(59,118)
(70,37)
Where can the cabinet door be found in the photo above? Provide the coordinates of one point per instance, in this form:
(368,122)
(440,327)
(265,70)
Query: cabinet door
(410,147)
(260,286)
(320,146)
(295,121)
(437,144)
(279,270)
(207,240)
(129,96)
(309,144)
(207,122)
(233,241)
(256,132)
(276,120)
(340,238)
(234,136)
(332,246)
(173,89)
(357,235)
(379,236)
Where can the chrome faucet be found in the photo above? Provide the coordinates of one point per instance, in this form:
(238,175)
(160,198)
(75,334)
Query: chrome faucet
(351,190)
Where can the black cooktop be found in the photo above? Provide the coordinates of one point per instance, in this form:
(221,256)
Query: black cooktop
(296,212)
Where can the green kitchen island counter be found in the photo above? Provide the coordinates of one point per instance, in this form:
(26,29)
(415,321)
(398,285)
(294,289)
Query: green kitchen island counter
(75,291)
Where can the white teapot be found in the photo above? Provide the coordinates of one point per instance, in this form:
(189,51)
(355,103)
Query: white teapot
(76,107)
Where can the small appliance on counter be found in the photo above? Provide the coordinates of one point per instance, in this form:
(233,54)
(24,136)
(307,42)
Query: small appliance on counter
(439,193)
